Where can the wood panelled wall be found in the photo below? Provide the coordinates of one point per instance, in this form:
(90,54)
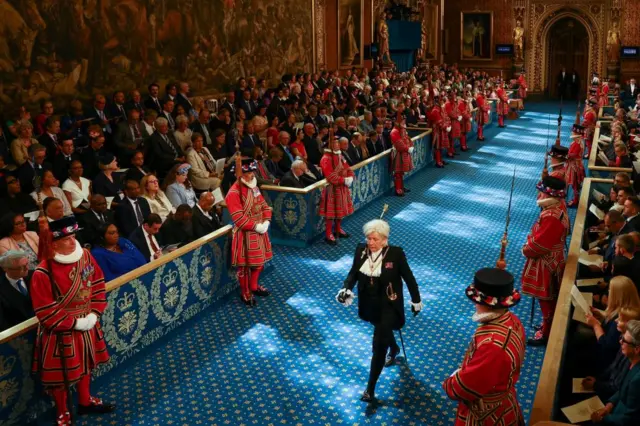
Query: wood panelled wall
(630,37)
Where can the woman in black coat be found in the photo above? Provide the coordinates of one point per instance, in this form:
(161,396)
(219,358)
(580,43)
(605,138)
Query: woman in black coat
(379,270)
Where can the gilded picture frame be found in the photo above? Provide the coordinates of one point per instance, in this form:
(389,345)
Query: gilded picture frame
(350,33)
(476,35)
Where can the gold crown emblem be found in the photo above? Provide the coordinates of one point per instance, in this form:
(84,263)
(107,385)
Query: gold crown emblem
(126,301)
(290,204)
(6,365)
(170,278)
(205,259)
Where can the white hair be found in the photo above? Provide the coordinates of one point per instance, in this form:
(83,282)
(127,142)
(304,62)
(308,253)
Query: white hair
(181,119)
(160,121)
(633,328)
(10,258)
(376,225)
(343,139)
(297,164)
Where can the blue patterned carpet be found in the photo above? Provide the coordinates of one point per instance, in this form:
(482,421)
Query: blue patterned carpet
(300,358)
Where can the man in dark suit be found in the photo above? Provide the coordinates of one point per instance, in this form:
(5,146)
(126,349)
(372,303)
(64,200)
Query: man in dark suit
(632,214)
(563,83)
(62,160)
(246,104)
(230,105)
(374,144)
(132,210)
(152,101)
(293,178)
(135,102)
(97,216)
(116,110)
(380,295)
(30,173)
(283,147)
(15,303)
(128,137)
(355,152)
(250,140)
(182,98)
(314,154)
(205,219)
(147,237)
(162,150)
(90,158)
(167,113)
(49,139)
(344,148)
(631,93)
(574,83)
(202,126)
(178,228)
(99,115)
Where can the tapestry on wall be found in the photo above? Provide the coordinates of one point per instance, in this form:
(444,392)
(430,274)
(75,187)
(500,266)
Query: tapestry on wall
(79,47)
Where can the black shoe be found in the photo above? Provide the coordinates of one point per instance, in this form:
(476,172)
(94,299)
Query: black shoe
(96,407)
(399,194)
(537,340)
(331,242)
(343,234)
(249,301)
(407,190)
(367,397)
(440,165)
(261,292)
(391,358)
(444,163)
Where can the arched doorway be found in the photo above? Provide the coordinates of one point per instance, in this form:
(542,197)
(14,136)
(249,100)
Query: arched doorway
(568,47)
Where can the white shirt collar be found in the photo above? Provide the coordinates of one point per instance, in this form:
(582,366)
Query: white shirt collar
(203,212)
(14,283)
(629,219)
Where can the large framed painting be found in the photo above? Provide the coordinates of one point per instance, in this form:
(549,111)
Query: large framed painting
(350,33)
(476,38)
(430,30)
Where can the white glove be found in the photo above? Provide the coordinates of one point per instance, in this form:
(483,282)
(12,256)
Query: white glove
(411,149)
(261,228)
(348,181)
(347,296)
(267,224)
(86,323)
(459,118)
(449,129)
(416,307)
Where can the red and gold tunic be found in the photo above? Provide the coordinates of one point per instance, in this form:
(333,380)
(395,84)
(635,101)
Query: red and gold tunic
(603,96)
(248,208)
(574,168)
(335,201)
(545,254)
(522,87)
(440,134)
(485,383)
(77,290)
(465,112)
(400,157)
(503,101)
(451,109)
(482,113)
(589,123)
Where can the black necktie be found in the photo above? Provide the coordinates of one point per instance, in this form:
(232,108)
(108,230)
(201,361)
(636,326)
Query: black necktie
(138,213)
(173,148)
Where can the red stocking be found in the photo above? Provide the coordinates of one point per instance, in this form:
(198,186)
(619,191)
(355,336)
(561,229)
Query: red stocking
(452,147)
(243,278)
(480,133)
(548,308)
(255,275)
(338,228)
(60,398)
(500,120)
(576,193)
(463,142)
(398,183)
(84,396)
(438,156)
(328,229)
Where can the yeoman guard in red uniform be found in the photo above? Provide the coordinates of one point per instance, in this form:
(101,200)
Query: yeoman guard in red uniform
(401,161)
(485,383)
(544,250)
(503,104)
(465,124)
(250,247)
(482,114)
(574,169)
(68,297)
(451,110)
(335,201)
(440,135)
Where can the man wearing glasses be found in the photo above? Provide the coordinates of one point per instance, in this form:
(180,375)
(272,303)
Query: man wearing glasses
(15,303)
(623,408)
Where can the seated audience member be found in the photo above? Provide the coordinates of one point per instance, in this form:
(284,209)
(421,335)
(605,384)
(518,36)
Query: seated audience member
(622,156)
(129,137)
(115,255)
(15,303)
(630,212)
(93,153)
(626,263)
(609,382)
(177,186)
(137,170)
(273,163)
(183,133)
(49,138)
(205,219)
(623,180)
(178,228)
(624,192)
(201,125)
(53,209)
(622,409)
(293,178)
(49,188)
(16,237)
(374,144)
(30,173)
(148,123)
(263,175)
(354,149)
(622,294)
(158,201)
(97,216)
(297,146)
(344,149)
(62,160)
(132,209)
(77,189)
(105,183)
(287,156)
(202,174)
(16,200)
(147,239)
(162,150)
(218,149)
(20,146)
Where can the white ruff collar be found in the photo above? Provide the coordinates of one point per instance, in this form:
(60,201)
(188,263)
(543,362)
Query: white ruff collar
(557,165)
(486,316)
(251,184)
(73,257)
(547,202)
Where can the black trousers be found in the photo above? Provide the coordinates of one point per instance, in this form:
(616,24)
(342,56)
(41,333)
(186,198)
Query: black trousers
(383,339)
